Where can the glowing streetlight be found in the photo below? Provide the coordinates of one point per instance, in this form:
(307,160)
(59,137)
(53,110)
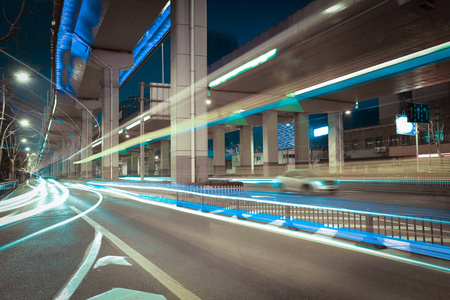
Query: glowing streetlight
(348,112)
(25,122)
(23,140)
(22,77)
(27,149)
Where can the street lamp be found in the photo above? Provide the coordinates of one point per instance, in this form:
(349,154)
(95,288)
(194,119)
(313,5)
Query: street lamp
(22,77)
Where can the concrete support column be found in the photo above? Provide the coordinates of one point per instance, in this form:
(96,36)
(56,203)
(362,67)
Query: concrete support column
(134,164)
(246,150)
(124,167)
(113,63)
(219,150)
(72,166)
(151,162)
(301,140)
(336,142)
(270,142)
(86,140)
(188,91)
(164,159)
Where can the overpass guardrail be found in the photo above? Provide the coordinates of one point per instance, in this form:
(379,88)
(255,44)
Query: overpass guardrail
(386,230)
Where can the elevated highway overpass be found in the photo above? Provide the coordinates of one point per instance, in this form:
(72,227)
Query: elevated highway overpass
(322,59)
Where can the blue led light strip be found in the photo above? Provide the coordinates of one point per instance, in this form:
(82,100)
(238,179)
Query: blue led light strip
(149,41)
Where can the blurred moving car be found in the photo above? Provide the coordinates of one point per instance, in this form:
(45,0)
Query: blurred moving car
(307,182)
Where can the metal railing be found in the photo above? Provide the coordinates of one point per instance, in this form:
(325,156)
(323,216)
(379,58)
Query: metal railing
(6,187)
(233,202)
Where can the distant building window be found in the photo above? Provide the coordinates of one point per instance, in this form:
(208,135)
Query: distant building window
(355,145)
(394,141)
(379,141)
(369,143)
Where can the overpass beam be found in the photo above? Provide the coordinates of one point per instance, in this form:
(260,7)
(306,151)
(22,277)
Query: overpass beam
(113,63)
(335,142)
(270,143)
(189,148)
(301,140)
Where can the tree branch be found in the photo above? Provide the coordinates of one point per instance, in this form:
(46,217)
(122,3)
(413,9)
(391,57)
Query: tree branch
(13,25)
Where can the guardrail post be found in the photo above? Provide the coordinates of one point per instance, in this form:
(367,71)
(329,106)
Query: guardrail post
(287,215)
(369,223)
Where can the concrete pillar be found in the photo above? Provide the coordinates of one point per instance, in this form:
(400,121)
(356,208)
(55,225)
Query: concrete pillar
(246,149)
(113,63)
(72,166)
(188,68)
(301,140)
(164,166)
(335,142)
(128,159)
(219,150)
(151,162)
(86,140)
(124,166)
(270,142)
(134,164)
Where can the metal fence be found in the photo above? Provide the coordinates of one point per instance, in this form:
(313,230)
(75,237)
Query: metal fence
(232,202)
(6,187)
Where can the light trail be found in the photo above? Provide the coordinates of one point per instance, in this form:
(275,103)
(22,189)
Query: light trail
(23,200)
(290,233)
(274,202)
(58,200)
(265,101)
(37,233)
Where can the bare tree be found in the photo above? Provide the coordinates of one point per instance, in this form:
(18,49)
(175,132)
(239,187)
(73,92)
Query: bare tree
(13,25)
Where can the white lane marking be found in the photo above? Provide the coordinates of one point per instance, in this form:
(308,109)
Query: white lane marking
(112,260)
(218,211)
(247,215)
(326,232)
(276,223)
(164,278)
(123,294)
(88,260)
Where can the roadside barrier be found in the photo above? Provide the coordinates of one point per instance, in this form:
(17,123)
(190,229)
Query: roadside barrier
(235,202)
(6,187)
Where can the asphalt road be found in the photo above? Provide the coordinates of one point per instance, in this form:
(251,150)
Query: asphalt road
(184,254)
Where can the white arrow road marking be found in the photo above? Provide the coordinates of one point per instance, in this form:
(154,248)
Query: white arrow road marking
(120,293)
(112,260)
(88,260)
(174,286)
